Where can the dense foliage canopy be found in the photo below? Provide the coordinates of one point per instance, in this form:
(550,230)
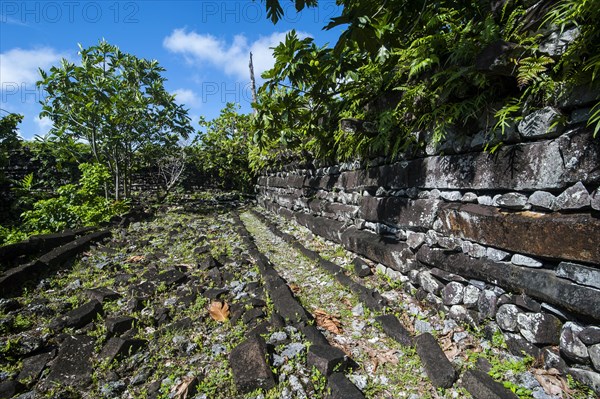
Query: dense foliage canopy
(408,70)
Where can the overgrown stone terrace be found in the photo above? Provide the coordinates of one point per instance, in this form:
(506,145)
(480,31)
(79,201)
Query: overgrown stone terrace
(203,303)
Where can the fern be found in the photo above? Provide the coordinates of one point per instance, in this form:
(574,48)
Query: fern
(531,68)
(595,118)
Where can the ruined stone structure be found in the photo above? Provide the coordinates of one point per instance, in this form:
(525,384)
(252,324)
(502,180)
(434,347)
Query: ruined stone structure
(509,241)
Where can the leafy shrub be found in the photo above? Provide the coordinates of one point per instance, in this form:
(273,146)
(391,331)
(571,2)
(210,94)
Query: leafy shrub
(81,204)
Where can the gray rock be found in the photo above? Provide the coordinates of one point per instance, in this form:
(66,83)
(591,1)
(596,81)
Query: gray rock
(429,283)
(571,346)
(506,317)
(292,350)
(539,123)
(539,328)
(496,254)
(558,41)
(423,326)
(522,260)
(580,115)
(542,200)
(595,200)
(414,240)
(469,198)
(471,296)
(451,196)
(473,249)
(574,197)
(594,352)
(579,273)
(590,335)
(277,336)
(487,304)
(552,360)
(453,293)
(513,201)
(485,200)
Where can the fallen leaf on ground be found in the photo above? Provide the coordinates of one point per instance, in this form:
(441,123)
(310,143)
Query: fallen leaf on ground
(219,311)
(347,302)
(135,259)
(187,385)
(551,381)
(327,321)
(295,288)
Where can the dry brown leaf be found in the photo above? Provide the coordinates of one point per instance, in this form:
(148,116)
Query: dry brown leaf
(327,321)
(347,302)
(551,381)
(219,311)
(136,259)
(184,388)
(295,288)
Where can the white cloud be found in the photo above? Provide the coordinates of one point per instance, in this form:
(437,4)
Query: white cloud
(232,57)
(19,67)
(44,125)
(186,97)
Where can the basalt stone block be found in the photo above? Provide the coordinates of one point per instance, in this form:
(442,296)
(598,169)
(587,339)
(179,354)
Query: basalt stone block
(517,345)
(481,386)
(326,359)
(580,274)
(249,366)
(171,277)
(327,228)
(102,294)
(525,232)
(10,388)
(540,284)
(119,348)
(361,268)
(72,367)
(119,325)
(506,317)
(78,317)
(398,211)
(34,365)
(341,388)
(436,364)
(385,250)
(392,327)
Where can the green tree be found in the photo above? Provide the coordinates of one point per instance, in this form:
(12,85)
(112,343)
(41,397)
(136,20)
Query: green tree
(117,103)
(220,153)
(9,139)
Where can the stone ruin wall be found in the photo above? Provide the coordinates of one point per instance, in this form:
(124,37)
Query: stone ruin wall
(509,241)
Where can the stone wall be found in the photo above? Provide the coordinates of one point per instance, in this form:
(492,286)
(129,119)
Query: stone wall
(509,241)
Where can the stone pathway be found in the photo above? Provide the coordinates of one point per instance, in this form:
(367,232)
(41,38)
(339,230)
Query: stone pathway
(207,304)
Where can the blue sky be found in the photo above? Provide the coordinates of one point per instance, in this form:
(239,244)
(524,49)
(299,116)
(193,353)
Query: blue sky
(203,45)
